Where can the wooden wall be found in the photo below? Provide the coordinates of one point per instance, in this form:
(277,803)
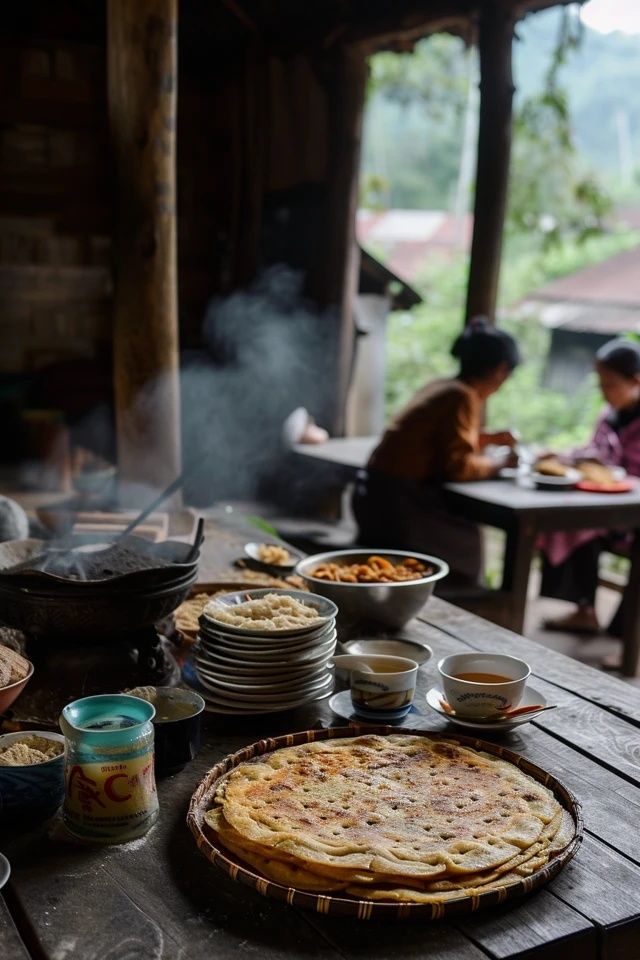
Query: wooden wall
(55,189)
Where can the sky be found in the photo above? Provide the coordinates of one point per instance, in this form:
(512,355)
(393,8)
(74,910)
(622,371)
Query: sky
(608,15)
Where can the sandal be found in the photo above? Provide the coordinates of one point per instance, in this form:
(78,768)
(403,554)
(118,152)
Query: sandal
(576,622)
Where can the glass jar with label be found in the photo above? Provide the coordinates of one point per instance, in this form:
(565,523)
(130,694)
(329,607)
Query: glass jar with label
(110,790)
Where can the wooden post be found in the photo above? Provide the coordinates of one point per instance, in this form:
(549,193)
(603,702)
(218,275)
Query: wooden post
(339,273)
(494,148)
(142,77)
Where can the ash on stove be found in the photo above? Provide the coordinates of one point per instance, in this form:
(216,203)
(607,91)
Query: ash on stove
(90,561)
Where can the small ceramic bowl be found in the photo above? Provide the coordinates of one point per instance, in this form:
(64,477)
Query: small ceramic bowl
(13,691)
(391,647)
(176,727)
(31,792)
(381,687)
(477,696)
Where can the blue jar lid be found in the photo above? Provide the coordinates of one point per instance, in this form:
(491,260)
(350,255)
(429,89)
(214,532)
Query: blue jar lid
(108,719)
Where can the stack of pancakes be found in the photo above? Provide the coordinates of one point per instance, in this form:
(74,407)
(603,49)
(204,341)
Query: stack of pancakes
(398,818)
(596,472)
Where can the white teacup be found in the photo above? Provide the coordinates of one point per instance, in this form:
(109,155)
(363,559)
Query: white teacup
(468,689)
(382,688)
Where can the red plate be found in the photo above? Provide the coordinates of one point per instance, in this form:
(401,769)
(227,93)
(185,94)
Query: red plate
(620,486)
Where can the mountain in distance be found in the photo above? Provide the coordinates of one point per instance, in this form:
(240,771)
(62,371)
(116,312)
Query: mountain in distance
(417,155)
(602,78)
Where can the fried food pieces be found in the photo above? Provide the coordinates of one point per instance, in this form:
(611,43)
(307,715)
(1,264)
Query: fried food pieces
(375,570)
(393,817)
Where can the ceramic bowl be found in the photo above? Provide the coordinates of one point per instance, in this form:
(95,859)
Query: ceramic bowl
(474,698)
(391,647)
(33,792)
(13,690)
(176,727)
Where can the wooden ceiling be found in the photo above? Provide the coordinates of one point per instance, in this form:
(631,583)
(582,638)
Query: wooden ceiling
(378,24)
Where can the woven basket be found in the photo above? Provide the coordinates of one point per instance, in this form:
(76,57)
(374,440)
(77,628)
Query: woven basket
(202,800)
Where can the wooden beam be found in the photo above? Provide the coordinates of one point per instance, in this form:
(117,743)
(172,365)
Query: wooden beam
(337,284)
(142,78)
(494,149)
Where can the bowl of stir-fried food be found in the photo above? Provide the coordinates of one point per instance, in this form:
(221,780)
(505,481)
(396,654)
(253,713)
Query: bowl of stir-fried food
(387,588)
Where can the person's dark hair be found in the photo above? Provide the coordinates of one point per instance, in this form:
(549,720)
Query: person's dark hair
(481,348)
(621,356)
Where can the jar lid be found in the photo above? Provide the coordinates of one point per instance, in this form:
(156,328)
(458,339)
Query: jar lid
(108,719)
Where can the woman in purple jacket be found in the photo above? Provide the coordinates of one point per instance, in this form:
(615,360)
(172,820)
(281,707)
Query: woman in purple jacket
(570,560)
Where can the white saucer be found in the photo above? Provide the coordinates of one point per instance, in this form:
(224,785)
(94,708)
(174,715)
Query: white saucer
(342,706)
(531,696)
(391,647)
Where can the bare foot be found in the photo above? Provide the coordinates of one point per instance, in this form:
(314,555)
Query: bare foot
(581,620)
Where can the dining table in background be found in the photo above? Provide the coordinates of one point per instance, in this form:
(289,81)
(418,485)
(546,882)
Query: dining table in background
(158,898)
(524,512)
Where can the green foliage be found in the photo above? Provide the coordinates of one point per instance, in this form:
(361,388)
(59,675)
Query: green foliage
(419,341)
(552,195)
(413,130)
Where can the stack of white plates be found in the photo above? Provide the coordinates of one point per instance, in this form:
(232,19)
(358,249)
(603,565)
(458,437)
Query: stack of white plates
(250,671)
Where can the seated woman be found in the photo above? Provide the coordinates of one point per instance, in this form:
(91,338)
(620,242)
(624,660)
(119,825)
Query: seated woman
(570,560)
(398,501)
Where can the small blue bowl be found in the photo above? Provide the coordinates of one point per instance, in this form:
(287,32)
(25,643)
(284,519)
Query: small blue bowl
(32,792)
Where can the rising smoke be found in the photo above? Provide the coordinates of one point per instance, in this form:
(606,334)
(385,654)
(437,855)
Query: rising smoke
(266,351)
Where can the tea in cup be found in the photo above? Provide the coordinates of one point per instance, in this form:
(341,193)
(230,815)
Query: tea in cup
(481,684)
(382,688)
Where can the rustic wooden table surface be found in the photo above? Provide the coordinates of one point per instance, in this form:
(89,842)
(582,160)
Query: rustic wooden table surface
(158,898)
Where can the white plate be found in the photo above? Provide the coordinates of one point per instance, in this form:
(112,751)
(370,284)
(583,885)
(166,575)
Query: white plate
(247,671)
(391,647)
(569,480)
(257,704)
(258,685)
(211,706)
(257,659)
(241,699)
(253,639)
(326,609)
(255,646)
(252,550)
(531,696)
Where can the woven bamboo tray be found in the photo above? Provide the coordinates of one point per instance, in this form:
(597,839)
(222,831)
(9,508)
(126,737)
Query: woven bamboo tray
(341,905)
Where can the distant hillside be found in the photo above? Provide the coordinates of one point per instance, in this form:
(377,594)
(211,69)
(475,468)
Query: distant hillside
(602,77)
(416,153)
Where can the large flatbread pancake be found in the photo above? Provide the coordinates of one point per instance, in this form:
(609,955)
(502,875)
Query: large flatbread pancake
(400,816)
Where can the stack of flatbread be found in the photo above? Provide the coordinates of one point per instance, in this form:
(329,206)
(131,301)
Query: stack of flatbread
(551,467)
(397,818)
(596,472)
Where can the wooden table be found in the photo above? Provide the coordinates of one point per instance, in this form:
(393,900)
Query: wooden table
(524,512)
(159,899)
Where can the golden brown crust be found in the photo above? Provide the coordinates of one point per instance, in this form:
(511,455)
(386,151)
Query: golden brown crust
(396,813)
